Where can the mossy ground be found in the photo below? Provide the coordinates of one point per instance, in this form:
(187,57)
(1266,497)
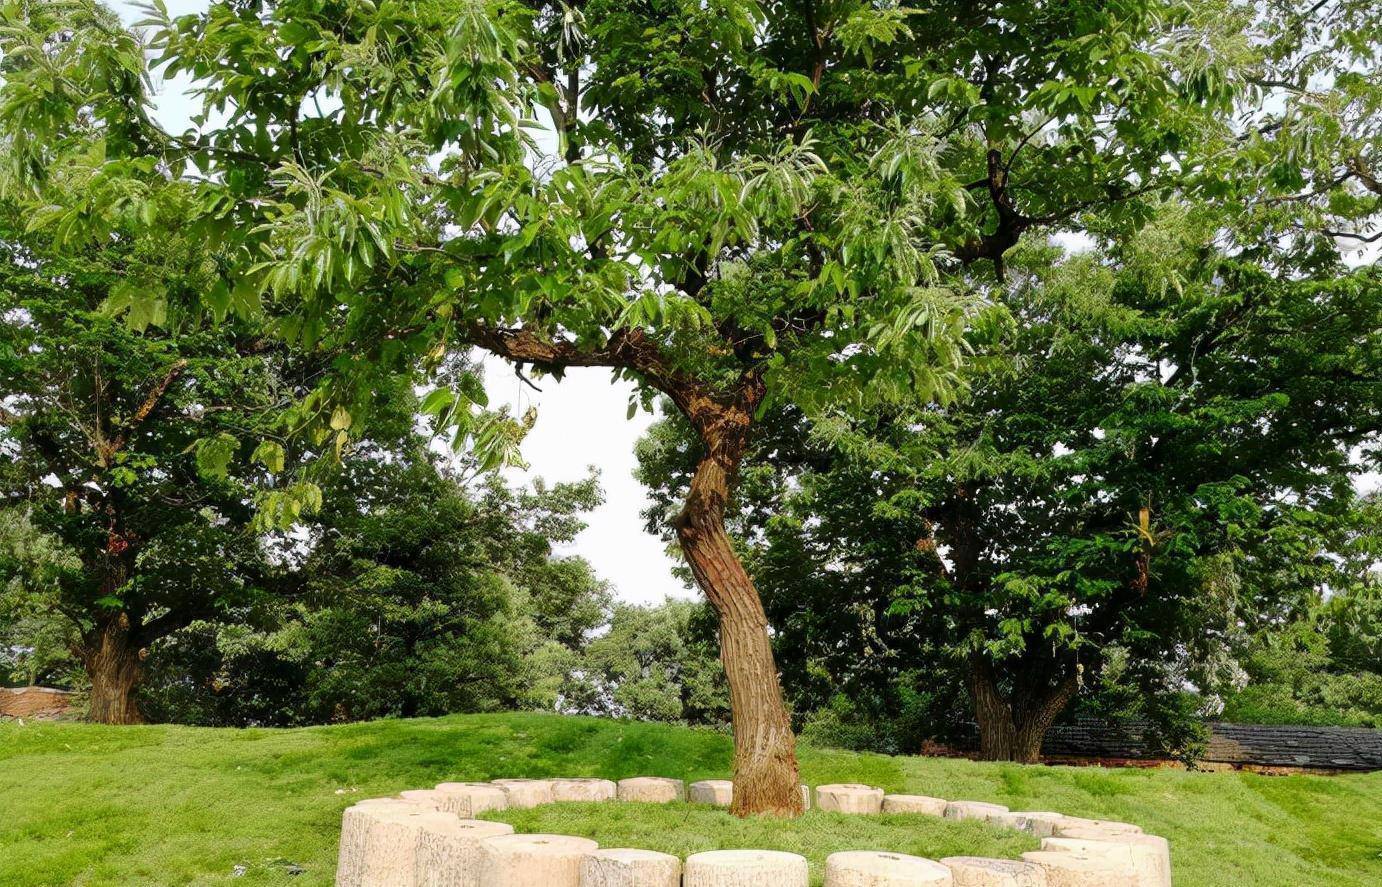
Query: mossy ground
(163,805)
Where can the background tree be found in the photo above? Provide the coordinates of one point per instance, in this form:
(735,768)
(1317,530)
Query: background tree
(35,643)
(1319,664)
(750,203)
(655,663)
(1157,451)
(120,443)
(410,595)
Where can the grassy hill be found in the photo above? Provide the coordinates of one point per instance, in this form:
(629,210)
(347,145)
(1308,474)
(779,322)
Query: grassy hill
(89,805)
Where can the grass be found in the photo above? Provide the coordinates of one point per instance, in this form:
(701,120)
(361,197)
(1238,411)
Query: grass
(164,805)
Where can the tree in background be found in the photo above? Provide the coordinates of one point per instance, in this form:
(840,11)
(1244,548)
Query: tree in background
(655,663)
(1158,450)
(35,643)
(415,595)
(119,444)
(1322,663)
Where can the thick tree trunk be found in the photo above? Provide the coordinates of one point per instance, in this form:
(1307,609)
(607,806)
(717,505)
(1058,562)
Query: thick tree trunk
(766,778)
(111,657)
(1013,729)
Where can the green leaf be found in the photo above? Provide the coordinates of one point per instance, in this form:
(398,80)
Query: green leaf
(271,455)
(214,454)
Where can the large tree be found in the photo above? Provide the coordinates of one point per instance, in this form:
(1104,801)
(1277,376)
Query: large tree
(117,445)
(1157,451)
(747,204)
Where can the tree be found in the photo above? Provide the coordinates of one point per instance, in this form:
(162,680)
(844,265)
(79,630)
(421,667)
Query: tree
(655,663)
(1321,662)
(35,644)
(118,445)
(749,203)
(410,595)
(1162,443)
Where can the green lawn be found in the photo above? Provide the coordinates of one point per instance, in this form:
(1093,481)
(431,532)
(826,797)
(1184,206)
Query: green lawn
(161,805)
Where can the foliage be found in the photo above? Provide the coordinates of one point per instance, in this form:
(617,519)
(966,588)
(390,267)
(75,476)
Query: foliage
(117,443)
(35,643)
(767,188)
(196,803)
(414,596)
(656,663)
(1322,667)
(1158,449)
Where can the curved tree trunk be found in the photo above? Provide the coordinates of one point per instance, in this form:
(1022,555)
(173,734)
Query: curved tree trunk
(111,657)
(766,777)
(1013,729)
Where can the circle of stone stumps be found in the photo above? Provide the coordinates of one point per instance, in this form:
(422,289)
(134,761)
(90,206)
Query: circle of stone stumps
(433,838)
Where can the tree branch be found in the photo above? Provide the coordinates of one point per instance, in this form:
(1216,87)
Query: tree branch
(107,450)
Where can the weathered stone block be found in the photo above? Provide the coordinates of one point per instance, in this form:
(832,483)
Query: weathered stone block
(426,797)
(630,868)
(914,804)
(1078,870)
(1039,823)
(868,868)
(450,855)
(470,799)
(525,793)
(979,871)
(533,860)
(849,797)
(976,810)
(745,868)
(1106,826)
(1149,855)
(379,843)
(583,789)
(651,789)
(717,792)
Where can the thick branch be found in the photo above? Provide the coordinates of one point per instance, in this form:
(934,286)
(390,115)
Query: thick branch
(107,450)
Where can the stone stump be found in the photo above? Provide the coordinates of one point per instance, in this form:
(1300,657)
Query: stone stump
(533,860)
(583,789)
(469,799)
(630,868)
(914,804)
(805,796)
(426,797)
(651,789)
(523,794)
(450,855)
(1149,855)
(1078,870)
(849,797)
(745,868)
(868,868)
(379,843)
(1106,826)
(1042,824)
(716,792)
(979,871)
(398,801)
(975,810)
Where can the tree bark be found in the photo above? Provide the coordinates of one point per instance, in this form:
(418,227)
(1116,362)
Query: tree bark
(111,657)
(1012,729)
(766,777)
